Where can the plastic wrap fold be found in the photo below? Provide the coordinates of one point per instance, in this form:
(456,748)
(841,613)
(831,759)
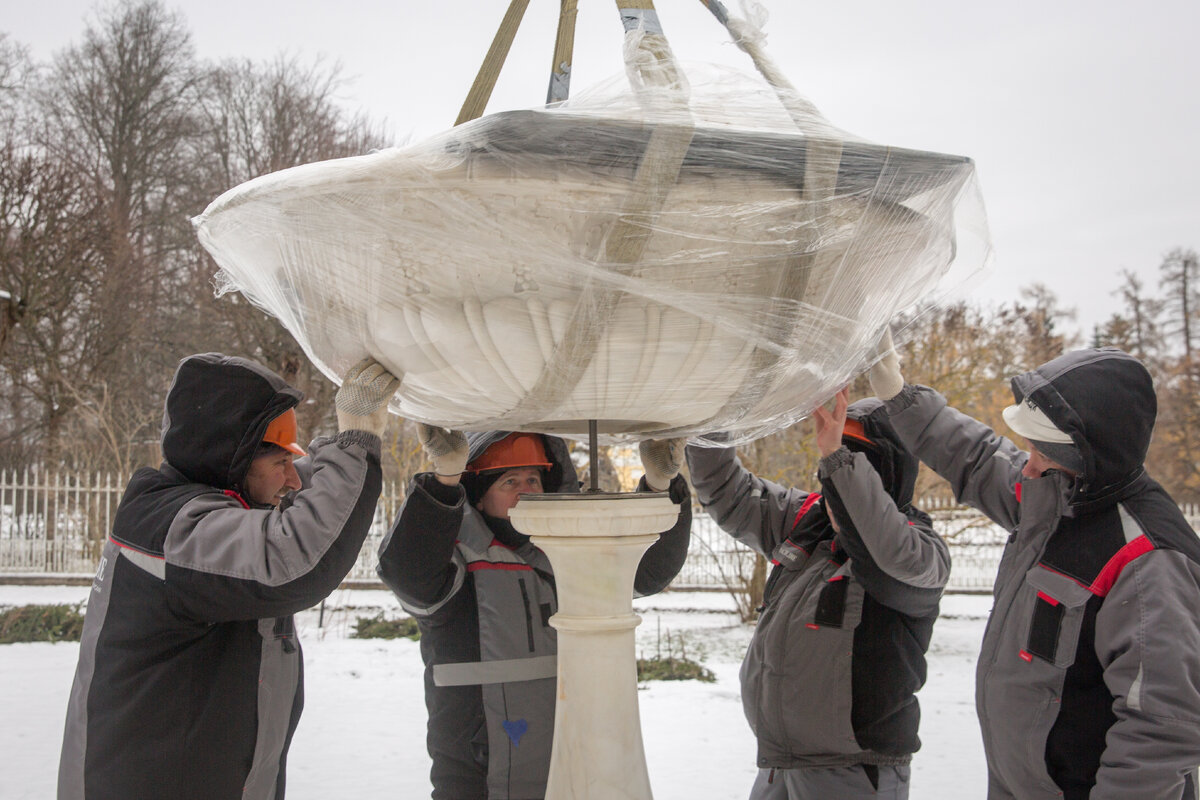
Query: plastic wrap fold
(667,269)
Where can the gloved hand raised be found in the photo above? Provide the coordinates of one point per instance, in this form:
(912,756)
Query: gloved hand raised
(885,377)
(661,459)
(362,400)
(445,449)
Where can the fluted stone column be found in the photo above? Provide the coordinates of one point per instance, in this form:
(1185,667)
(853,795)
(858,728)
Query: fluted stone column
(594,542)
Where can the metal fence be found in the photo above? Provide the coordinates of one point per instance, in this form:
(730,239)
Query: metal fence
(53,525)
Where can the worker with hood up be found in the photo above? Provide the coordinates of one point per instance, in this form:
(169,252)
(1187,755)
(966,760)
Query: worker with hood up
(190,678)
(1088,680)
(830,678)
(483,595)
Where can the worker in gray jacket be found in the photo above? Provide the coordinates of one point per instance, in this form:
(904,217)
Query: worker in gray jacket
(1088,680)
(190,680)
(829,679)
(483,595)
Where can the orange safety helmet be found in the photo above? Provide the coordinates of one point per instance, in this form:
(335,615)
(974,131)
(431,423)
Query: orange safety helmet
(514,450)
(853,429)
(282,432)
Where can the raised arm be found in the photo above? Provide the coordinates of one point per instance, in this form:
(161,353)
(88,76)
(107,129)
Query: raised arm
(981,467)
(661,460)
(417,557)
(226,562)
(756,512)
(896,556)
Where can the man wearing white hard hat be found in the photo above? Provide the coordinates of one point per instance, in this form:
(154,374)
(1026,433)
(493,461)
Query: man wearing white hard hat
(1088,680)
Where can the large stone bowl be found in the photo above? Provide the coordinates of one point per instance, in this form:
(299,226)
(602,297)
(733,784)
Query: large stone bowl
(523,272)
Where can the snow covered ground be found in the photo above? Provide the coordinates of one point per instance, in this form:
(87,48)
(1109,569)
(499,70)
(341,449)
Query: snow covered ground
(363,730)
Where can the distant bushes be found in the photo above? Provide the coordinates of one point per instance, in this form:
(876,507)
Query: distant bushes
(672,667)
(59,623)
(377,627)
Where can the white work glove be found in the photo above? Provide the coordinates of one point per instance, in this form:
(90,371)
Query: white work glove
(445,449)
(886,380)
(661,460)
(362,401)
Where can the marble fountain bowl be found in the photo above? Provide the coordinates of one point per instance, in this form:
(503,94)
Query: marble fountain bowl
(523,271)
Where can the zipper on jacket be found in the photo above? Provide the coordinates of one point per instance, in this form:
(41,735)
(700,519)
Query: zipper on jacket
(285,631)
(528,613)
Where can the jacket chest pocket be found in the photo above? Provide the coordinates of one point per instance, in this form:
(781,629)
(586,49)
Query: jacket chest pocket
(1056,617)
(834,600)
(515,607)
(812,609)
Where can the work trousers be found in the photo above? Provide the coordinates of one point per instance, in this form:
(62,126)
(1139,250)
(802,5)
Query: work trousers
(844,783)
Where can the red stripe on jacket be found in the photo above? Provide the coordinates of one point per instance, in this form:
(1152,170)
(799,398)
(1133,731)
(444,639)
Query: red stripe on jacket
(475,566)
(809,502)
(1112,570)
(1108,575)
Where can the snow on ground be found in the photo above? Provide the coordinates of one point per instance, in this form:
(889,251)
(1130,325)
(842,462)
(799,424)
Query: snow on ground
(362,735)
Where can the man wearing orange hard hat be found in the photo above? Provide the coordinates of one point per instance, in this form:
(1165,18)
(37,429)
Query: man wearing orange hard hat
(830,679)
(483,595)
(189,682)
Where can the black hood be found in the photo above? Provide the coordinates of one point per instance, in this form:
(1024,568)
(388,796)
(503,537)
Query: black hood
(1104,400)
(560,478)
(896,466)
(217,411)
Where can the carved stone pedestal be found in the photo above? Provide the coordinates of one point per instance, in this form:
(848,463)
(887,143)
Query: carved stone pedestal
(595,542)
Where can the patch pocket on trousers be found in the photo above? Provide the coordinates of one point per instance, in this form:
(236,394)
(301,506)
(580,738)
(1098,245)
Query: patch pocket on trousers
(1059,604)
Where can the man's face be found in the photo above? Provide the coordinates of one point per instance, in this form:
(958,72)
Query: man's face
(271,476)
(502,495)
(1038,464)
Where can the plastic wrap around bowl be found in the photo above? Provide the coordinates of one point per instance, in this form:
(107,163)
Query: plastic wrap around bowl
(535,270)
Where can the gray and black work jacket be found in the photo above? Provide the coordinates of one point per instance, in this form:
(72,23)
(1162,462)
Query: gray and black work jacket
(190,680)
(838,654)
(1088,680)
(483,596)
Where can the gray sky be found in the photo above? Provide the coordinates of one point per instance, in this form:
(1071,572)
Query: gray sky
(1083,117)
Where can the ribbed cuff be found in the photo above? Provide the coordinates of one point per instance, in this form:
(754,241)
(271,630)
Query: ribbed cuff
(834,461)
(365,439)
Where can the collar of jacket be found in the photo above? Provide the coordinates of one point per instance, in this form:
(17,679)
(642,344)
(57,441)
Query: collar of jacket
(812,528)
(1085,500)
(504,531)
(1048,495)
(175,476)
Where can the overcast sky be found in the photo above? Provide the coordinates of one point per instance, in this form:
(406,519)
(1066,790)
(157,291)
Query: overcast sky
(1083,117)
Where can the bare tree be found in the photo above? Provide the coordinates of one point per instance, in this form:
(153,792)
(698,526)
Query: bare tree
(50,267)
(104,284)
(1175,451)
(117,112)
(1137,332)
(259,118)
(1180,279)
(264,117)
(1043,319)
(16,76)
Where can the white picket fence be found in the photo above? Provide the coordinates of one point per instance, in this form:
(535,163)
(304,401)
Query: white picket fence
(52,525)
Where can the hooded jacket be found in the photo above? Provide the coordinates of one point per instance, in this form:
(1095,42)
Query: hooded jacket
(483,596)
(1088,680)
(831,674)
(190,678)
